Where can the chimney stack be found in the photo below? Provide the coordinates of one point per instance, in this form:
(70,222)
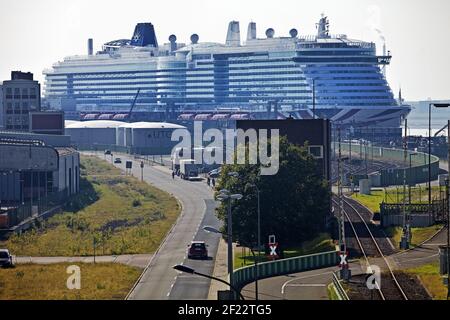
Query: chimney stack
(90,46)
(173,43)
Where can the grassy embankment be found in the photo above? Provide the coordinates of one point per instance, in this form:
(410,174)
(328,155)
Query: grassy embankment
(373,201)
(322,243)
(431,279)
(48,282)
(119,213)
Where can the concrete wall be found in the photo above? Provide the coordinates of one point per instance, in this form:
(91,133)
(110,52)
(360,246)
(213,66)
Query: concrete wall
(417,220)
(9,186)
(68,175)
(152,141)
(48,139)
(92,136)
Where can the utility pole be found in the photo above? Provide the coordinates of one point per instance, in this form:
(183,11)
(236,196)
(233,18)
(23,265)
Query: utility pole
(448,211)
(404,243)
(314,98)
(340,196)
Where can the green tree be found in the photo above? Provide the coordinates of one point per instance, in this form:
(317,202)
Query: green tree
(294,203)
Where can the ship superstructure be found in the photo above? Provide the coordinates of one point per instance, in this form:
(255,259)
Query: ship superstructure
(327,76)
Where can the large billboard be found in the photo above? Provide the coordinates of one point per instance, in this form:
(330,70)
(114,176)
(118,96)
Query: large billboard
(47,122)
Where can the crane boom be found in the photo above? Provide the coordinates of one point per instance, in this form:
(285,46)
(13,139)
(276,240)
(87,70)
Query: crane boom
(445,127)
(133,104)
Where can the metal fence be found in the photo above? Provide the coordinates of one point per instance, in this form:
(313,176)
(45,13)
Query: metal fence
(339,289)
(246,275)
(32,209)
(417,173)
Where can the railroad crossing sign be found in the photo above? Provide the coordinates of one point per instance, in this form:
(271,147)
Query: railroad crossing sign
(344,262)
(273,245)
(273,250)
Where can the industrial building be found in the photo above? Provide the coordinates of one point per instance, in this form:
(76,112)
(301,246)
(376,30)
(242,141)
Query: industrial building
(19,96)
(88,134)
(37,174)
(147,138)
(317,133)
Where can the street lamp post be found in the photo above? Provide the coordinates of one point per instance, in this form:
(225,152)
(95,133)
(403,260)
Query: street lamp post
(258,240)
(410,169)
(226,195)
(183,268)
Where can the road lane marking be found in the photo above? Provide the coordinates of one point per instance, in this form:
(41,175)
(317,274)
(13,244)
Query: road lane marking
(303,277)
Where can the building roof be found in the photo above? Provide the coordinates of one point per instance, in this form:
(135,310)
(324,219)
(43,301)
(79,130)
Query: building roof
(151,125)
(65,151)
(69,122)
(95,124)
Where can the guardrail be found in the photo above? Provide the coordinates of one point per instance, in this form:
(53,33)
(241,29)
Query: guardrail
(246,275)
(418,173)
(340,291)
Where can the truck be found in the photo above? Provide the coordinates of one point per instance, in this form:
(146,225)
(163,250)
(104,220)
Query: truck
(189,170)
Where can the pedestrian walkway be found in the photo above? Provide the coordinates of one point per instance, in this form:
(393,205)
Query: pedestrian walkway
(135,260)
(220,270)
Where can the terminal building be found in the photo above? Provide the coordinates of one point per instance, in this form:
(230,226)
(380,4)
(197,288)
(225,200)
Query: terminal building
(145,138)
(38,173)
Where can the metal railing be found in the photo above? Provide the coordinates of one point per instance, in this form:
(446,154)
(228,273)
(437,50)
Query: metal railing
(339,289)
(246,275)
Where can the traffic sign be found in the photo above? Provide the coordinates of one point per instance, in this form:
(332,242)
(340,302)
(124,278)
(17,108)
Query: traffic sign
(344,262)
(272,239)
(273,250)
(142,164)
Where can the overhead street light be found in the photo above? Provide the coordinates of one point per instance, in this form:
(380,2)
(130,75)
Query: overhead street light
(186,269)
(258,238)
(224,195)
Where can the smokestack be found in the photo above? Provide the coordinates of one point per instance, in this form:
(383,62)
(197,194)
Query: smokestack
(233,34)
(90,46)
(173,43)
(251,31)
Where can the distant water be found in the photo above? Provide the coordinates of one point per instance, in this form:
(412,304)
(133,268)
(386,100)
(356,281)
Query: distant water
(418,119)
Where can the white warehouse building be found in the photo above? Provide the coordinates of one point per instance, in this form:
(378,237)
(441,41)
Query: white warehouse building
(147,138)
(92,134)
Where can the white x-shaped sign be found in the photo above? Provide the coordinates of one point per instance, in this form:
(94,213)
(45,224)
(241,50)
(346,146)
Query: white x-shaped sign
(273,249)
(343,262)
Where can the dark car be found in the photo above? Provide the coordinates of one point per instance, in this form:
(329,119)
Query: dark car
(118,160)
(6,259)
(108,152)
(198,250)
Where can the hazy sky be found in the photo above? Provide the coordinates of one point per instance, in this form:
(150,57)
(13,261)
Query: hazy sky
(36,33)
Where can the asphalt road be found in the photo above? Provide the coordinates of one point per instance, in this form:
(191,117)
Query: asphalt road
(160,280)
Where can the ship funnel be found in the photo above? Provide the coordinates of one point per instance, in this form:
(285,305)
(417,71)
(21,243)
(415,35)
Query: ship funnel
(194,38)
(144,35)
(293,33)
(90,46)
(270,33)
(233,34)
(173,42)
(251,31)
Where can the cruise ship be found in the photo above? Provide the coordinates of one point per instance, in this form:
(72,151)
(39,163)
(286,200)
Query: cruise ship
(319,76)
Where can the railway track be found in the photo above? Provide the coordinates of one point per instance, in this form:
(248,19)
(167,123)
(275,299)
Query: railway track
(371,251)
